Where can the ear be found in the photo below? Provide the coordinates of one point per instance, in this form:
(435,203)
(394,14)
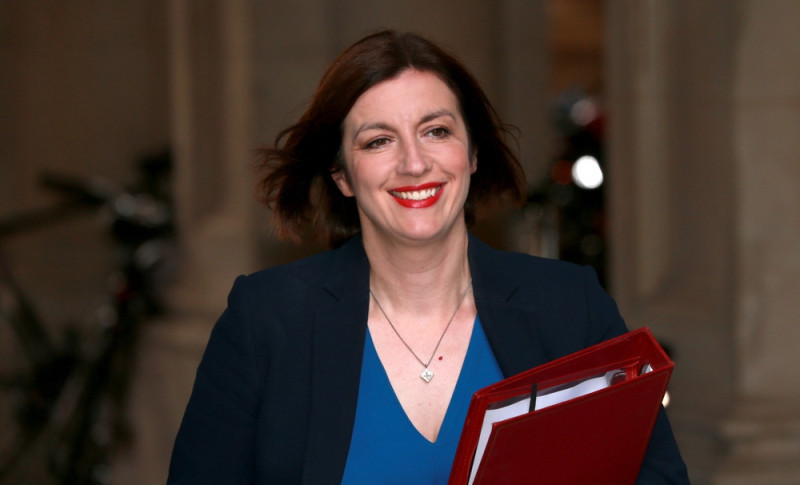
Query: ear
(340,178)
(473,162)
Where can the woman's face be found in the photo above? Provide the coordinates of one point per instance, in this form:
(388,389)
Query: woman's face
(407,159)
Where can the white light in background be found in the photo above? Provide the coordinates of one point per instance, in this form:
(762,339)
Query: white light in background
(586,172)
(584,112)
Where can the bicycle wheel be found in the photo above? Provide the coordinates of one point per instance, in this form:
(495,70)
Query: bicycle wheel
(32,376)
(85,419)
(14,438)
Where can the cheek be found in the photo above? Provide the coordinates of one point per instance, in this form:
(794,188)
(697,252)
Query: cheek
(463,161)
(369,171)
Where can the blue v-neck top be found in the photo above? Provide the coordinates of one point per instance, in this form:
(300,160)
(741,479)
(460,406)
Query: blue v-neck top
(385,446)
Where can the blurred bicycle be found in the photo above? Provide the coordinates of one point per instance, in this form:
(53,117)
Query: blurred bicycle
(66,393)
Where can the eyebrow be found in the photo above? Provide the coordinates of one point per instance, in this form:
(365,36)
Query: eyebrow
(379,125)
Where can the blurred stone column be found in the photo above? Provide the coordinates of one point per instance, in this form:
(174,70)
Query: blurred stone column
(671,197)
(704,124)
(213,132)
(212,122)
(763,431)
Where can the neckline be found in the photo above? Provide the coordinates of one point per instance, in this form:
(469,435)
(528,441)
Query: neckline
(447,421)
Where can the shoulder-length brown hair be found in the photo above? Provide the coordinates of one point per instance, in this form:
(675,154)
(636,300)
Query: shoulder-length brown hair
(296,172)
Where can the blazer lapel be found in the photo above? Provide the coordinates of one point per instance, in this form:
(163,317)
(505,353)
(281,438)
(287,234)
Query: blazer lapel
(339,335)
(510,328)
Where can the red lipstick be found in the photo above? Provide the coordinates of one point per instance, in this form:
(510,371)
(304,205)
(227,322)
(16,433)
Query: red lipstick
(418,196)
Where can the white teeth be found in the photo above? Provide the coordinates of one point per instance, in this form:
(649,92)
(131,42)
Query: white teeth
(416,194)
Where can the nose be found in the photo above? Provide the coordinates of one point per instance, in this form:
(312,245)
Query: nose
(414,159)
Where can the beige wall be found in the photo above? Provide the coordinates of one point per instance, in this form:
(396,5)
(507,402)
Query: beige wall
(83,90)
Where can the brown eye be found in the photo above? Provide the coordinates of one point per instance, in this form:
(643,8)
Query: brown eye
(439,132)
(377,143)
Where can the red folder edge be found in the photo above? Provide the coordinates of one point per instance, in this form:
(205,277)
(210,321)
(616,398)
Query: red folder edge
(606,432)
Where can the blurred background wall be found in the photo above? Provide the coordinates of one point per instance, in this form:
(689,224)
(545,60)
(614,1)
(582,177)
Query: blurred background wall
(701,103)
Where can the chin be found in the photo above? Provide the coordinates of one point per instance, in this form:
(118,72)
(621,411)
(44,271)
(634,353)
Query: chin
(427,233)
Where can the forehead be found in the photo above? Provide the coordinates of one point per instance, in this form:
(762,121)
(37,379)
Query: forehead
(412,93)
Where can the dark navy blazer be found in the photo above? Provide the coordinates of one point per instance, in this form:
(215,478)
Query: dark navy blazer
(275,395)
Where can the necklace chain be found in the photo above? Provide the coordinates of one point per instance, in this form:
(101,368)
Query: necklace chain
(427,374)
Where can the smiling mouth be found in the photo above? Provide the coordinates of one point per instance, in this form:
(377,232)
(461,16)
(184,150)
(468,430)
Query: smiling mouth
(417,194)
(418,197)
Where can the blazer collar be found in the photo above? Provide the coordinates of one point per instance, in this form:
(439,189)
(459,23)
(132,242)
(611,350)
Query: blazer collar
(509,325)
(348,275)
(490,284)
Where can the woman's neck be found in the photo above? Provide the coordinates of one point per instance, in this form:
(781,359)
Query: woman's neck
(415,276)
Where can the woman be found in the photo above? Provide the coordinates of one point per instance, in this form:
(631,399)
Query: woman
(357,365)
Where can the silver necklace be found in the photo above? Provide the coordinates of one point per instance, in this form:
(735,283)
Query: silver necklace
(426,374)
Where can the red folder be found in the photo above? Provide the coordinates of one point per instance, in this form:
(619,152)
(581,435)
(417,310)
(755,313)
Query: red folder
(598,437)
